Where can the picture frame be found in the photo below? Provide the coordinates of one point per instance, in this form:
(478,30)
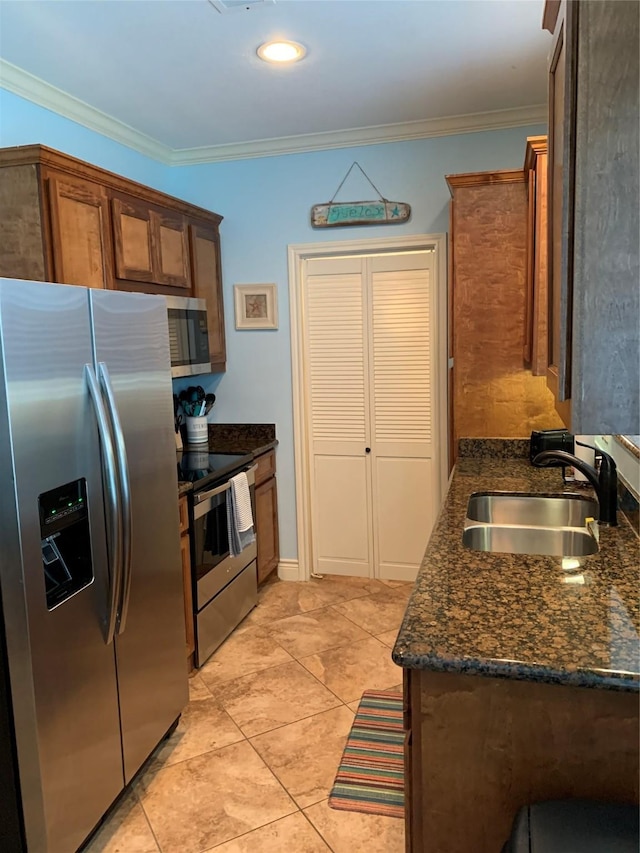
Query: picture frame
(256,306)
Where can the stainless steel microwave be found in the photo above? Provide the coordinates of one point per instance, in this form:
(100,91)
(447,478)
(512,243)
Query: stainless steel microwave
(188,336)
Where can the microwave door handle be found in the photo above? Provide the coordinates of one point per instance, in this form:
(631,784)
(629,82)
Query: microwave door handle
(125,494)
(114,516)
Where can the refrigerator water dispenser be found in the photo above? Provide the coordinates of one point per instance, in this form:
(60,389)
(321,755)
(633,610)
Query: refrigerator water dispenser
(65,541)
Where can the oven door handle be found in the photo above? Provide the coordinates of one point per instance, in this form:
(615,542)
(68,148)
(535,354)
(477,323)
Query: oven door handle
(204,496)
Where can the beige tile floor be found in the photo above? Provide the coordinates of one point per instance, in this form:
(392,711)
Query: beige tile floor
(251,764)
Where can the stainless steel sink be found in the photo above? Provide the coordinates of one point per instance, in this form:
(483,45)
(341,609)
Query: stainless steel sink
(523,523)
(529,510)
(527,539)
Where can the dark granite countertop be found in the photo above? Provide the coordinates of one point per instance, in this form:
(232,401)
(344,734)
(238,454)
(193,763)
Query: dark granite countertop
(256,447)
(254,439)
(183,488)
(242,438)
(519,616)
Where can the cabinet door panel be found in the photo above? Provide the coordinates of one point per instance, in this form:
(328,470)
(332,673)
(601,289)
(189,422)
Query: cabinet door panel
(171,260)
(79,216)
(267,528)
(207,284)
(265,466)
(561,179)
(133,240)
(188,594)
(539,341)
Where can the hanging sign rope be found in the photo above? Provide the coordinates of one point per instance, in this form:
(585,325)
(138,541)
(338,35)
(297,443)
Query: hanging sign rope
(378,212)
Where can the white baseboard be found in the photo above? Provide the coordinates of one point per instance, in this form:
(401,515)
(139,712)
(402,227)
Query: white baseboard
(289,570)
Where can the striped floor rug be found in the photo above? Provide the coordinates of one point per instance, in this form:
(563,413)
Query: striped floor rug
(371,774)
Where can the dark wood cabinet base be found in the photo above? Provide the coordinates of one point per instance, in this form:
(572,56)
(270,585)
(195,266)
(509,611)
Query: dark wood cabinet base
(266,520)
(480,748)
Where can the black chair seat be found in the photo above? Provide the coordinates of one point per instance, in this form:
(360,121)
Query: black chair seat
(575,826)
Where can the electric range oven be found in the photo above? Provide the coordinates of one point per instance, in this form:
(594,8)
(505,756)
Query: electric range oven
(225,587)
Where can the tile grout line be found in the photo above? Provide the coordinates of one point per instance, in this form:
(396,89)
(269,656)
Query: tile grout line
(242,737)
(360,626)
(302,719)
(247,738)
(293,657)
(149,824)
(277,778)
(291,797)
(315,828)
(270,823)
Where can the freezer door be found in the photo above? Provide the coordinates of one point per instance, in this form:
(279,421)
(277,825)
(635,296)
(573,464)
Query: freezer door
(62,672)
(131,340)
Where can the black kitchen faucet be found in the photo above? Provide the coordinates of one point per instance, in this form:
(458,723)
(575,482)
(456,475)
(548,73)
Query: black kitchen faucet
(605,482)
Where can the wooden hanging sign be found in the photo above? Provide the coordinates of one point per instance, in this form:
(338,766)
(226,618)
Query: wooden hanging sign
(379,212)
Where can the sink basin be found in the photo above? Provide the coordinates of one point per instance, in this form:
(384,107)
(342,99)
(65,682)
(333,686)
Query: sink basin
(527,539)
(531,510)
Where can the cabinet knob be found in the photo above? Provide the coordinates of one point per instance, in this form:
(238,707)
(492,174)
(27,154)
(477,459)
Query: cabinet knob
(367,450)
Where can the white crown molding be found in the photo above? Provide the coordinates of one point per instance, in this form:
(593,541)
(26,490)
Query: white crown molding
(34,89)
(40,92)
(471,123)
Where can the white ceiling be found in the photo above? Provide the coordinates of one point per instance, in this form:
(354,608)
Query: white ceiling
(185,76)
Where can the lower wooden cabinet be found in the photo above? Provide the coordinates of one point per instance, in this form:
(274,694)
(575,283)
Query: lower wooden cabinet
(267,516)
(478,748)
(185,554)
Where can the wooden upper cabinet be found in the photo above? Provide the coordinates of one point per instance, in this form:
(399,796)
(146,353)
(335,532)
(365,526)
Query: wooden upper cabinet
(132,239)
(80,245)
(492,393)
(536,308)
(561,162)
(171,249)
(593,203)
(65,220)
(205,265)
(150,245)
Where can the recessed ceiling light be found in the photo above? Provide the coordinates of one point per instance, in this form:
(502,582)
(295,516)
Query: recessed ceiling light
(281,51)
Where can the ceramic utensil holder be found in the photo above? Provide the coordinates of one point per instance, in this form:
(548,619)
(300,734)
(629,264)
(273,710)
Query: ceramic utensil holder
(197,430)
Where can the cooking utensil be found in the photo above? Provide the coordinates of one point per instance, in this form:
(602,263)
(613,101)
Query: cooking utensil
(192,400)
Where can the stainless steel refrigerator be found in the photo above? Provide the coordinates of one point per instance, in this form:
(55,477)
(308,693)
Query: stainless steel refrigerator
(92,646)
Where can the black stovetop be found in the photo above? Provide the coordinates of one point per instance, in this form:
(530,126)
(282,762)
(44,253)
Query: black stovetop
(203,468)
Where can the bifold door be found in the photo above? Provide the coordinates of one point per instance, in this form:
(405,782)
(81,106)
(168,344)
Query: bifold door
(369,360)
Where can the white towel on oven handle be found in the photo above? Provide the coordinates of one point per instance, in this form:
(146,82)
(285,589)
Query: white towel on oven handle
(239,515)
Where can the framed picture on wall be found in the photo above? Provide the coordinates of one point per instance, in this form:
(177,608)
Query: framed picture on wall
(256,306)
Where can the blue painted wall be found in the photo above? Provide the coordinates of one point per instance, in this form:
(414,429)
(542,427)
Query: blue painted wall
(266,203)
(25,123)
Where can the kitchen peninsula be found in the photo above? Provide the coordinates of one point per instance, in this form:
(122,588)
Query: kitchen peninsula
(521,679)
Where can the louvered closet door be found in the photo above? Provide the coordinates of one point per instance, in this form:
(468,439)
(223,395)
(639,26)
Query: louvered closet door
(369,363)
(337,371)
(401,308)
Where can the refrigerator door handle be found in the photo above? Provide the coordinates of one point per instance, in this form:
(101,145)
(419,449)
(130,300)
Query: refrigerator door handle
(114,515)
(125,495)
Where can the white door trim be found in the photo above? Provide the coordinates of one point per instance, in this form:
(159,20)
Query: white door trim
(297,255)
